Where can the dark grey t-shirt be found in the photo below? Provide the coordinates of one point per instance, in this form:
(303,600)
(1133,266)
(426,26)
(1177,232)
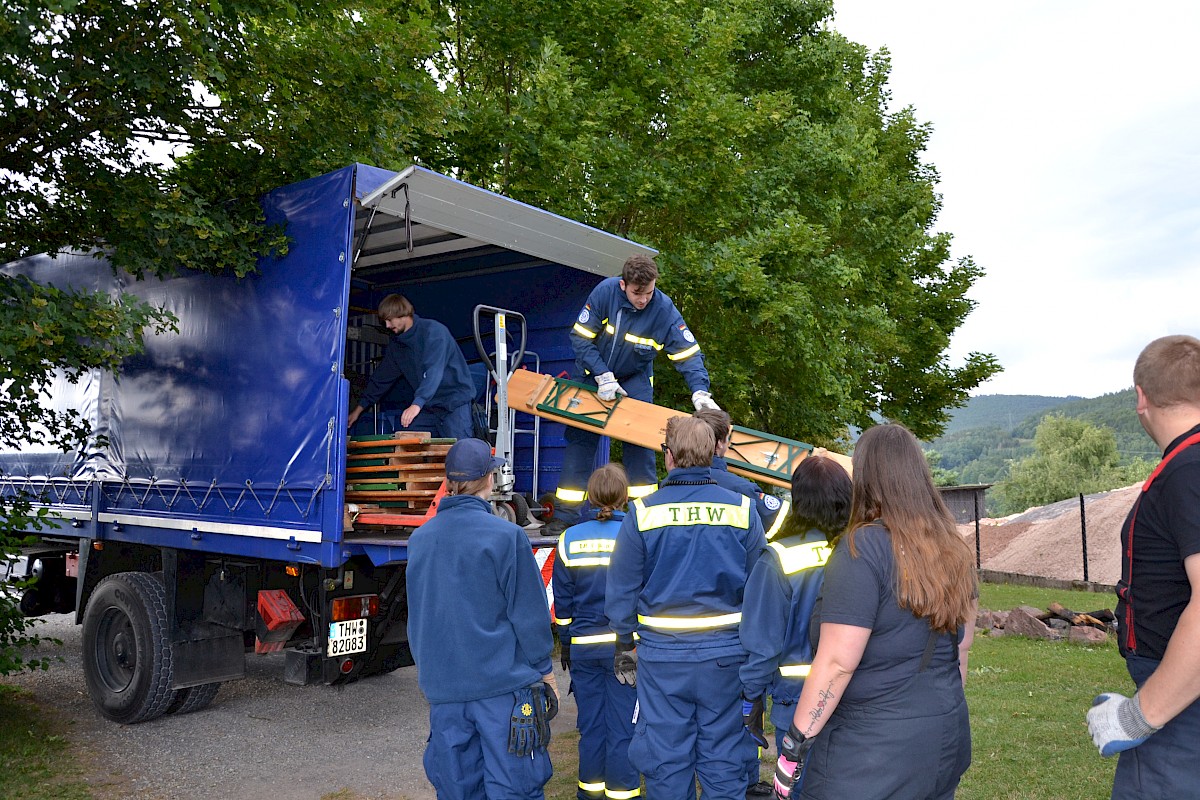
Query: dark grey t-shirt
(861,591)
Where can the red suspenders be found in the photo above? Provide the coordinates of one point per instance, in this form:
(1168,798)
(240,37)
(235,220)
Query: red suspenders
(1130,641)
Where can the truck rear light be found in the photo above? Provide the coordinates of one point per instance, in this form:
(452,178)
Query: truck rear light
(356,607)
(346,666)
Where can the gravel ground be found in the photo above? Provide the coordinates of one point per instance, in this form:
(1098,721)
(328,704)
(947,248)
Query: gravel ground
(260,739)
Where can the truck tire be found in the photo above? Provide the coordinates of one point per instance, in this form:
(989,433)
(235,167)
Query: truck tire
(193,698)
(126,652)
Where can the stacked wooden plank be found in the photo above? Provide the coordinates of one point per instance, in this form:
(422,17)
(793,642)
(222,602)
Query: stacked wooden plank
(395,474)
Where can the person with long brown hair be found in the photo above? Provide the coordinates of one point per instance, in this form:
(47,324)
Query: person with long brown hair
(883,712)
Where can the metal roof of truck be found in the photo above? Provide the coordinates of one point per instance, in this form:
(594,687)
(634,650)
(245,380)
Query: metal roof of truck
(429,216)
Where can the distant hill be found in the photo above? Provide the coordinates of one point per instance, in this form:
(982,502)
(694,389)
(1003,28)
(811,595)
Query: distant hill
(1004,411)
(990,431)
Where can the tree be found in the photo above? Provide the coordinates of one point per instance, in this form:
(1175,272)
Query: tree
(1071,457)
(246,95)
(755,148)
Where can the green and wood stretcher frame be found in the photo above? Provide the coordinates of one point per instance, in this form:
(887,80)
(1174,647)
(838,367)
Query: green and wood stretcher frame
(754,454)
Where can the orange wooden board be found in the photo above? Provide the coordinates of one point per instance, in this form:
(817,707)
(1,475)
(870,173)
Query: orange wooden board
(756,455)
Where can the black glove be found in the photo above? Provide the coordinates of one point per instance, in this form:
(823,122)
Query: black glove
(793,749)
(551,700)
(625,662)
(752,718)
(564,650)
(523,728)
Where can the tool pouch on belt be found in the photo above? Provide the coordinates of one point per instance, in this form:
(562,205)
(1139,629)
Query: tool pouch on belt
(523,727)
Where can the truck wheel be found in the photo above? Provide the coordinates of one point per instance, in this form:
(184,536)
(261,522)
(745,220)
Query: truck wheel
(193,698)
(520,509)
(126,652)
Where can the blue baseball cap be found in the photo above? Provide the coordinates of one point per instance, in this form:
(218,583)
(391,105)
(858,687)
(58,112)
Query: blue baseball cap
(470,460)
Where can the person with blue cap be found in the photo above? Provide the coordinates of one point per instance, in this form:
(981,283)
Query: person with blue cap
(480,633)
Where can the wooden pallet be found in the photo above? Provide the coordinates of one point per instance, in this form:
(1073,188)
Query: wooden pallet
(394,480)
(758,455)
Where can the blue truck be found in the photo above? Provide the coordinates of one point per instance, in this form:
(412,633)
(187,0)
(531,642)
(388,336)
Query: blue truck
(206,516)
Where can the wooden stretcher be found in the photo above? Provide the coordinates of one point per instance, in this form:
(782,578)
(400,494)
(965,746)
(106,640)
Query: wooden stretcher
(754,454)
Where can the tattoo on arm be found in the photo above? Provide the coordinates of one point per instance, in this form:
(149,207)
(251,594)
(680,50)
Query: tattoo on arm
(823,698)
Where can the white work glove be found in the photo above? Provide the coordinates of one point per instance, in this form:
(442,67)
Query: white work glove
(702,399)
(1116,723)
(608,388)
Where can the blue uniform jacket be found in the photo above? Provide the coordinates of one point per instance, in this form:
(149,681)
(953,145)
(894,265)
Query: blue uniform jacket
(478,624)
(427,356)
(580,575)
(771,510)
(611,335)
(680,566)
(780,596)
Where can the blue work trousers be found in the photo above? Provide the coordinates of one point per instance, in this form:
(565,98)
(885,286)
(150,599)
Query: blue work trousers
(605,720)
(579,458)
(1165,764)
(467,755)
(689,727)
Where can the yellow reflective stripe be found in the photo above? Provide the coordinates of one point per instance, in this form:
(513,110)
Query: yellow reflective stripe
(629,337)
(592,787)
(779,518)
(582,331)
(616,794)
(609,329)
(597,560)
(570,495)
(641,490)
(597,638)
(563,621)
(690,623)
(802,556)
(660,516)
(795,670)
(682,354)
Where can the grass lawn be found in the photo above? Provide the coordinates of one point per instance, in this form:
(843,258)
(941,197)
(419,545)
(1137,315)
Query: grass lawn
(35,762)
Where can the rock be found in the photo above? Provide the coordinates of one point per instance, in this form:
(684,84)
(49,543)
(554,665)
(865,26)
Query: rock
(1085,634)
(1022,623)
(1058,624)
(989,620)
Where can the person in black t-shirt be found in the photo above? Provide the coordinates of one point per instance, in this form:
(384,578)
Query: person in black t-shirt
(1157,730)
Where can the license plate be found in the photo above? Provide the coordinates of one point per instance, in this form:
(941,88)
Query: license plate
(347,637)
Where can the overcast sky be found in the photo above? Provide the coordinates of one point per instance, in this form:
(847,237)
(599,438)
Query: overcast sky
(1066,134)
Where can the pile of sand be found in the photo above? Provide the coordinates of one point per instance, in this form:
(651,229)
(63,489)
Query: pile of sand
(1047,541)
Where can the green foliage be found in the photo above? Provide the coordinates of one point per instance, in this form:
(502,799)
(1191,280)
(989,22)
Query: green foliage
(1072,457)
(756,149)
(941,476)
(1003,411)
(246,96)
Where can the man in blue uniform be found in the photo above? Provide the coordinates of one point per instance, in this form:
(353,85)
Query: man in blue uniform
(605,705)
(771,510)
(677,576)
(423,352)
(622,327)
(1157,730)
(479,630)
